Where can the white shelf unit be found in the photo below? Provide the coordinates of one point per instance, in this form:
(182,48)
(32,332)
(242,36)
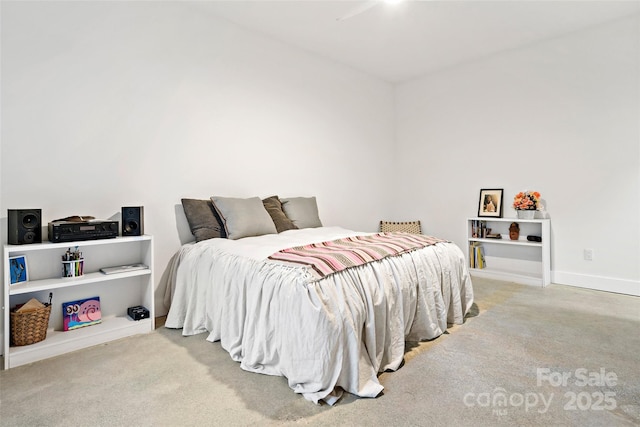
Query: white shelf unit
(520,261)
(117,292)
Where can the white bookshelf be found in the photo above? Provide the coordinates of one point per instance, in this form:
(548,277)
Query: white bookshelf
(117,292)
(521,260)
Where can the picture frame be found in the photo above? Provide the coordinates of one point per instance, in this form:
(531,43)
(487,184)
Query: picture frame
(490,202)
(18,269)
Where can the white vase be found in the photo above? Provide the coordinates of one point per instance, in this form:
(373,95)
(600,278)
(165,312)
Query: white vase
(526,214)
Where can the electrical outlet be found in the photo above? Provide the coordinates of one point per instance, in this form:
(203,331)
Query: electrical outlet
(588,254)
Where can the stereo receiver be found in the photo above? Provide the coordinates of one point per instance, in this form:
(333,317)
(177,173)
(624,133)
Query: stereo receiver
(69,231)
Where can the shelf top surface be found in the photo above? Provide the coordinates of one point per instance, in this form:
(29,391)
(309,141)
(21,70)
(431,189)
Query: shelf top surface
(64,282)
(508,219)
(519,241)
(51,245)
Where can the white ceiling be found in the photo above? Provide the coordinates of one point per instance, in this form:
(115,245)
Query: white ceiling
(398,42)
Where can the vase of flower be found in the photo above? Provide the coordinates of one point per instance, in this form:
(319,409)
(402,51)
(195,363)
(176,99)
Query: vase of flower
(526,214)
(526,203)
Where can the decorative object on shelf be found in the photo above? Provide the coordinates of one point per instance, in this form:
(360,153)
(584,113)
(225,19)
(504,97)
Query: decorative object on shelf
(526,203)
(73,268)
(29,322)
(528,214)
(18,269)
(80,313)
(490,203)
(72,263)
(514,231)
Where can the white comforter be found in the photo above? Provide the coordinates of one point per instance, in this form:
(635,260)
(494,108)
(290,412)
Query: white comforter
(325,334)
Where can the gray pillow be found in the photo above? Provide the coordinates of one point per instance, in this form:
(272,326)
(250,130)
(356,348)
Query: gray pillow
(303,211)
(274,208)
(203,219)
(243,217)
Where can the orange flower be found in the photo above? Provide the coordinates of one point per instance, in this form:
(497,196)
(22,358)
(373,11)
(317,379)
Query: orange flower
(527,200)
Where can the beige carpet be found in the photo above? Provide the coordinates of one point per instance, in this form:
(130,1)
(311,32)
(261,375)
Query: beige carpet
(517,336)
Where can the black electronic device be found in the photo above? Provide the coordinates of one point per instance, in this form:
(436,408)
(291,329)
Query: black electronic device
(534,238)
(133,220)
(138,312)
(24,226)
(69,231)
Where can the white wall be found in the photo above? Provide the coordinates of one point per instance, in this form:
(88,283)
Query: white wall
(560,117)
(107,104)
(111,104)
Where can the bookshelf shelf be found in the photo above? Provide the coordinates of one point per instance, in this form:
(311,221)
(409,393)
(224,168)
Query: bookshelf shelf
(520,261)
(116,291)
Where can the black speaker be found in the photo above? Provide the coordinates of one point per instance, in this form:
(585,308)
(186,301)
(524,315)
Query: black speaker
(133,221)
(25,226)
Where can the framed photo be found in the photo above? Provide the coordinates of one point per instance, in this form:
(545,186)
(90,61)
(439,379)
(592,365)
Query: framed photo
(18,269)
(490,203)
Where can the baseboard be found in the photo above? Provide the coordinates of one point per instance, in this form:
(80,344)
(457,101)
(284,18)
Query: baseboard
(599,283)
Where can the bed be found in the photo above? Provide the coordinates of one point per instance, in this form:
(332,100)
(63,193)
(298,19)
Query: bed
(325,333)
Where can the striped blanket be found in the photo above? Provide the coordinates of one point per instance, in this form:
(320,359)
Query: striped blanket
(337,255)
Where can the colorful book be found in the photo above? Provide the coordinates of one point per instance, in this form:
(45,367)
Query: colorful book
(81,313)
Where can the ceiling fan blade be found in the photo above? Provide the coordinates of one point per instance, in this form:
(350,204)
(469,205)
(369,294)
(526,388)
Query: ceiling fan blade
(358,10)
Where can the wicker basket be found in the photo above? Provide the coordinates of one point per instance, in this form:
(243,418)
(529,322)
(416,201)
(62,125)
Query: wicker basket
(30,327)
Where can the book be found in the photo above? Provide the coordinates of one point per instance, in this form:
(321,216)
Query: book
(81,313)
(476,255)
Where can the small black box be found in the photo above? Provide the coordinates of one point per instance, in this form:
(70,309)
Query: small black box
(138,312)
